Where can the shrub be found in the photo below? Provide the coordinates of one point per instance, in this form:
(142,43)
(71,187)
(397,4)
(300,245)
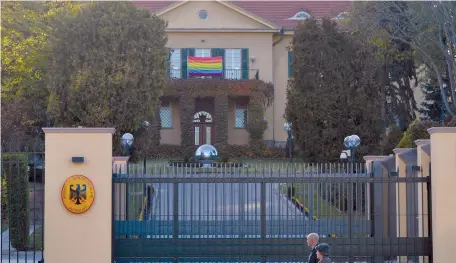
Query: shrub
(390,140)
(226,152)
(15,174)
(418,130)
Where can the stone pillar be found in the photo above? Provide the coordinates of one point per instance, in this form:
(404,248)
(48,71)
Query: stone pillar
(187,110)
(401,194)
(443,187)
(423,161)
(119,166)
(370,169)
(221,119)
(70,237)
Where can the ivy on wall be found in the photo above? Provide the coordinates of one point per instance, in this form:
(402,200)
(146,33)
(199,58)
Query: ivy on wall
(260,94)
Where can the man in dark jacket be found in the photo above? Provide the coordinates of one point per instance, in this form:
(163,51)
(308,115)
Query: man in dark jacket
(312,242)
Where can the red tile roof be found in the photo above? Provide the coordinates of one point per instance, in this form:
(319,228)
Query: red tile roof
(276,12)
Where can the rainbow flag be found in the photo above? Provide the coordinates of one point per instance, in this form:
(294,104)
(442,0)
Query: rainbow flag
(212,66)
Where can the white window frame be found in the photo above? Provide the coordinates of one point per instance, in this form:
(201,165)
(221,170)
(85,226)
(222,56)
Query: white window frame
(175,62)
(233,69)
(170,109)
(203,53)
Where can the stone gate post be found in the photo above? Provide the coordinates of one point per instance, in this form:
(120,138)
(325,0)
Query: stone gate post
(74,231)
(443,196)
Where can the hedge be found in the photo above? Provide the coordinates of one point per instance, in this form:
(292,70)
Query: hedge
(15,198)
(226,152)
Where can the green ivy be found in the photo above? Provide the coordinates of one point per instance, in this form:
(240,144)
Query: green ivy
(259,92)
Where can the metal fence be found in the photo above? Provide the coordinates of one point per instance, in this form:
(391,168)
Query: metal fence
(263,213)
(22,195)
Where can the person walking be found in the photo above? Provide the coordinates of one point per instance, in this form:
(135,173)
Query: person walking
(312,242)
(323,253)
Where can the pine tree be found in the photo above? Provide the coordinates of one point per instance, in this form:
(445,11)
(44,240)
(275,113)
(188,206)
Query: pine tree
(431,108)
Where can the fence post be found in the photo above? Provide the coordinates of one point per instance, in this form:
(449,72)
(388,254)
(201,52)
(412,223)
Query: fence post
(175,210)
(263,210)
(443,185)
(350,216)
(63,146)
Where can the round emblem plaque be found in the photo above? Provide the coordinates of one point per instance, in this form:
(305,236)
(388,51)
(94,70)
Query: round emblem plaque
(78,194)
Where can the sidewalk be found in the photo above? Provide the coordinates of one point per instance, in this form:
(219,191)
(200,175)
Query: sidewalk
(6,246)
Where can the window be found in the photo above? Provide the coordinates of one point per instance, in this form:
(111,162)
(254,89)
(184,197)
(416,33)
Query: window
(203,52)
(202,14)
(166,115)
(233,62)
(175,64)
(240,117)
(302,15)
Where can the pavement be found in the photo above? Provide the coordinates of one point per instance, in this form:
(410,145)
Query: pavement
(22,257)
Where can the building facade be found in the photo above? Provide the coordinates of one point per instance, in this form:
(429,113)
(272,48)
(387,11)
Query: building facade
(247,42)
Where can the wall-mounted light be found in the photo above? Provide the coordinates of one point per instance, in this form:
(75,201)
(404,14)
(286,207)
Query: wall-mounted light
(252,59)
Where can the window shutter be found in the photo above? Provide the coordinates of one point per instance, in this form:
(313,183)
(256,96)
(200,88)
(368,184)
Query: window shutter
(290,63)
(215,52)
(245,63)
(184,53)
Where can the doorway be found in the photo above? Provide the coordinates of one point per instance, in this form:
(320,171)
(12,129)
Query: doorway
(203,128)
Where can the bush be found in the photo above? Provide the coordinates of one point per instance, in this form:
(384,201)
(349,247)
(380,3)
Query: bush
(390,140)
(226,152)
(15,174)
(418,130)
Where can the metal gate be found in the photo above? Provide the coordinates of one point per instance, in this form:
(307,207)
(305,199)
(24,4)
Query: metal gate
(22,195)
(264,213)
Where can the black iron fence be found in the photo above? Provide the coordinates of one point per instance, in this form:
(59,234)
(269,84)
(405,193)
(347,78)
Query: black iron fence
(22,195)
(230,74)
(263,213)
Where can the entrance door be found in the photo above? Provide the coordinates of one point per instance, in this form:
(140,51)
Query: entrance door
(203,134)
(203,131)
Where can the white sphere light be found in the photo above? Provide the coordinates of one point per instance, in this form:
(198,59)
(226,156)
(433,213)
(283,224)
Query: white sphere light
(352,141)
(287,126)
(127,139)
(145,124)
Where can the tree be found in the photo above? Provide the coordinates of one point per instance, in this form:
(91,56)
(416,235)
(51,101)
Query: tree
(432,107)
(398,71)
(107,67)
(25,37)
(334,91)
(429,27)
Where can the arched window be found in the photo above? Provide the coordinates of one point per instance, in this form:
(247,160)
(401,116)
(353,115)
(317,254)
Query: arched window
(302,15)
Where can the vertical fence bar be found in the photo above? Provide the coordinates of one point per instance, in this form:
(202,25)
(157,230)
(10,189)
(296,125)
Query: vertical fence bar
(263,209)
(175,210)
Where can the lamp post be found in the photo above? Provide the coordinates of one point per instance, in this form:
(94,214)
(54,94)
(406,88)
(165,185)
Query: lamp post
(127,143)
(287,128)
(352,142)
(145,125)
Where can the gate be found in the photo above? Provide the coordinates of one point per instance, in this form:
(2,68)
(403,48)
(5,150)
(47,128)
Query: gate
(22,195)
(263,214)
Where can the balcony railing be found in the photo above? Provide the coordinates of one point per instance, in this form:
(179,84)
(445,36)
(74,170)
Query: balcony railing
(231,74)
